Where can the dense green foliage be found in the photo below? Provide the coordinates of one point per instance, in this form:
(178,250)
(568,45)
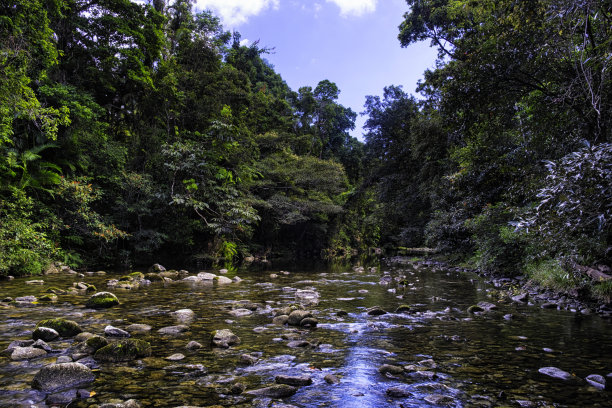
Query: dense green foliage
(134,131)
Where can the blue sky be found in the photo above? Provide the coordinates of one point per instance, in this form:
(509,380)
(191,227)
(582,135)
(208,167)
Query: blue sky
(350,42)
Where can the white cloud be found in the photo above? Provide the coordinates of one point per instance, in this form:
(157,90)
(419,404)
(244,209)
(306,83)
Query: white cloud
(236,12)
(355,7)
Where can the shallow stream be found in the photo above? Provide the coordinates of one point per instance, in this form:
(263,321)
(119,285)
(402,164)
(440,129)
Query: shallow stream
(452,358)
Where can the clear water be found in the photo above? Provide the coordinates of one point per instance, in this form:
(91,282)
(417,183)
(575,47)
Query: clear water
(480,361)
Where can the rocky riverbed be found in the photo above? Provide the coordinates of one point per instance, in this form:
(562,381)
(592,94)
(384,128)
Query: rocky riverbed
(402,334)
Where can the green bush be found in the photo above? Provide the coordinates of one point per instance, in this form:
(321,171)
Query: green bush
(25,249)
(552,274)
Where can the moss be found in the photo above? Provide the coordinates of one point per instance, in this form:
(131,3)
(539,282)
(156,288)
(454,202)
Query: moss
(55,290)
(154,277)
(124,350)
(126,278)
(402,309)
(65,328)
(102,300)
(48,298)
(96,342)
(137,275)
(90,288)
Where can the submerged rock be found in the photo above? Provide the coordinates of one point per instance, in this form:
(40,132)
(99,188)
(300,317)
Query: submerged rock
(296,317)
(376,311)
(138,328)
(390,369)
(193,345)
(58,377)
(65,328)
(307,297)
(184,315)
(224,338)
(173,330)
(102,300)
(124,350)
(398,392)
(557,373)
(274,391)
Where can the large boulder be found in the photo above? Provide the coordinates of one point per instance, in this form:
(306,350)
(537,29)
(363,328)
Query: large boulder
(26,353)
(224,338)
(102,300)
(58,377)
(124,350)
(65,328)
(296,317)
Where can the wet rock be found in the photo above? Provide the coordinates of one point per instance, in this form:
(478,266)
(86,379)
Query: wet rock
(548,305)
(296,381)
(171,275)
(156,268)
(154,277)
(17,343)
(102,300)
(297,316)
(59,377)
(26,353)
(26,300)
(175,357)
(127,404)
(62,398)
(398,392)
(240,312)
(224,338)
(390,369)
(521,298)
(222,280)
(307,297)
(274,391)
(474,309)
(206,276)
(41,344)
(124,350)
(309,322)
(248,359)
(138,328)
(237,388)
(376,311)
(223,271)
(298,344)
(281,320)
(45,334)
(49,297)
(193,345)
(402,309)
(65,328)
(440,400)
(111,331)
(184,316)
(63,359)
(596,381)
(173,330)
(331,379)
(236,279)
(556,373)
(35,282)
(486,306)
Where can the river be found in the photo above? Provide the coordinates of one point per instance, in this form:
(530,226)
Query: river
(449,357)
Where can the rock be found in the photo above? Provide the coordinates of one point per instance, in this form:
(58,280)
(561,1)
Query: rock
(247,359)
(596,381)
(402,309)
(280,320)
(154,277)
(35,282)
(297,316)
(41,344)
(441,400)
(65,328)
(237,388)
(17,343)
(390,369)
(274,391)
(184,315)
(63,359)
(309,322)
(236,279)
(173,330)
(62,398)
(307,297)
(223,271)
(486,306)
(59,377)
(111,331)
(222,280)
(172,275)
(156,268)
(124,350)
(331,379)
(138,328)
(521,297)
(102,300)
(49,297)
(376,311)
(206,276)
(193,345)
(557,373)
(175,357)
(45,334)
(224,338)
(398,392)
(549,305)
(240,312)
(26,300)
(298,344)
(296,381)
(26,353)
(475,309)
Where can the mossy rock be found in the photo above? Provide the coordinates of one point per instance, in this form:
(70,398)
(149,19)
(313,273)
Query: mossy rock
(90,288)
(137,275)
(65,328)
(126,278)
(402,309)
(50,297)
(102,300)
(55,290)
(96,342)
(154,277)
(124,350)
(474,309)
